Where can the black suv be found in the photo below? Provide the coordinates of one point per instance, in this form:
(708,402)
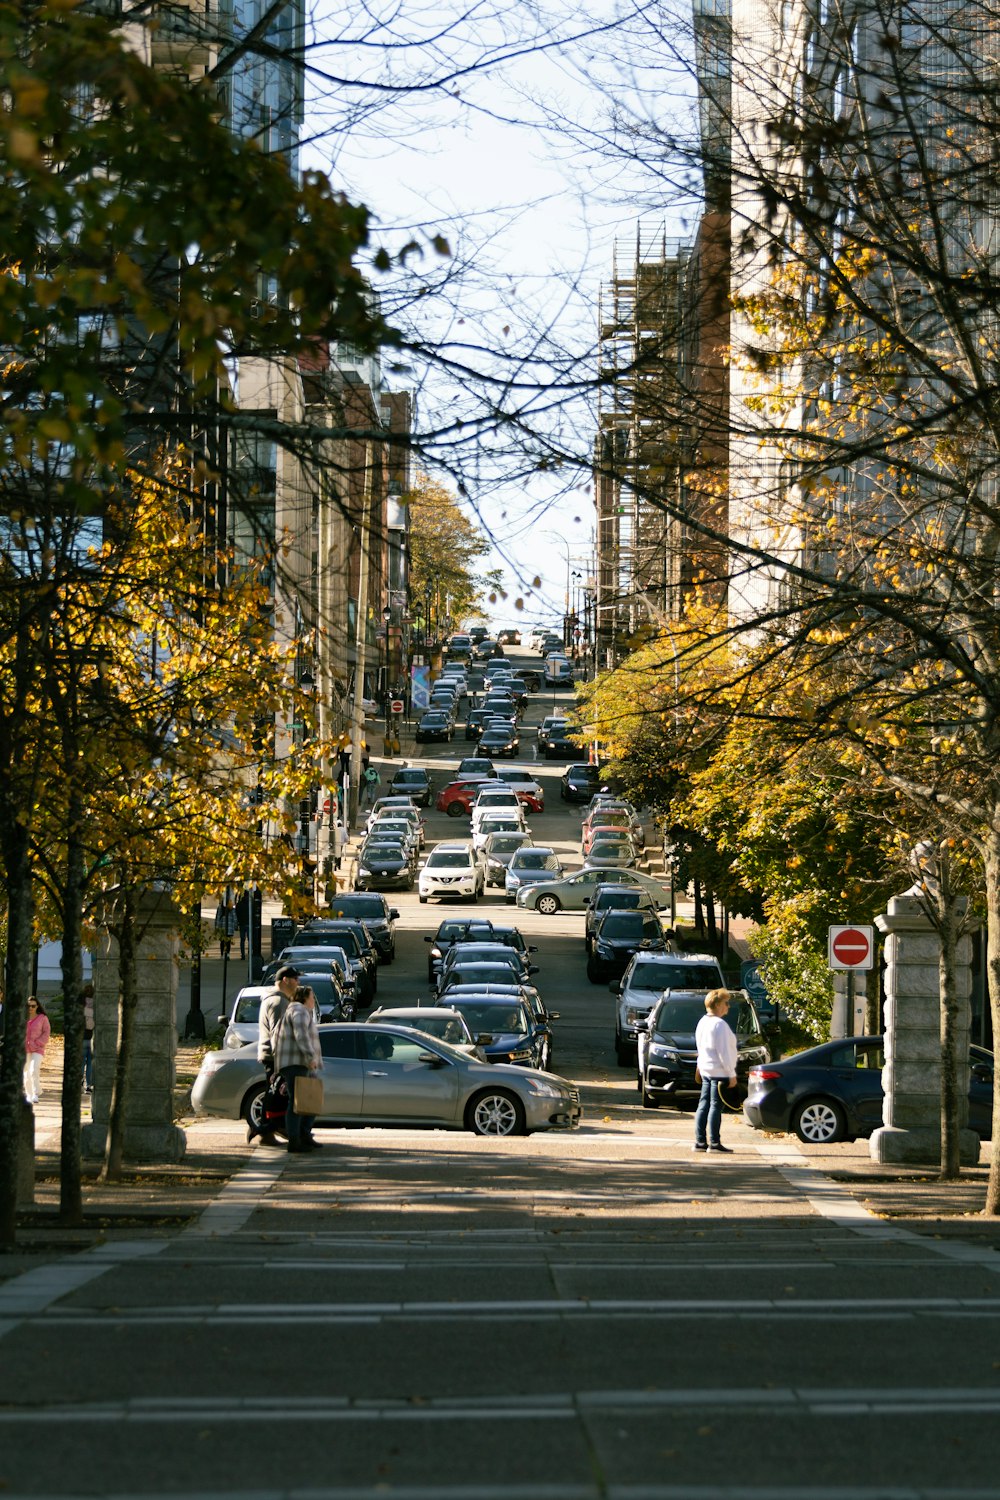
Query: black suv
(618,936)
(375,912)
(619,898)
(666,1047)
(355,937)
(578,783)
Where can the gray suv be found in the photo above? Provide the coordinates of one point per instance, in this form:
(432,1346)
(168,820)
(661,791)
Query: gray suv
(645,980)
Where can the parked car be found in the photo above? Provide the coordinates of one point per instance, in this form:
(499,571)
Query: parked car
(578,781)
(605,820)
(412,781)
(354,936)
(388,1075)
(834,1092)
(499,820)
(646,980)
(666,1053)
(618,936)
(326,961)
(573,892)
(498,850)
(476,975)
(528,995)
(378,916)
(620,898)
(529,866)
(451,870)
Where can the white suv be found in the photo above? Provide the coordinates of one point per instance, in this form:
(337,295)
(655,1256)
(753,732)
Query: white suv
(451,870)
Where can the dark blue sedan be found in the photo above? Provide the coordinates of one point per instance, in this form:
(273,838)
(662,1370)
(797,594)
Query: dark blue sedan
(834,1092)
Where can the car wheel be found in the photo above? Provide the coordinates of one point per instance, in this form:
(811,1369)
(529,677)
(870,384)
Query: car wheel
(593,973)
(455,809)
(495,1112)
(649,1101)
(819,1121)
(548,905)
(252,1108)
(623,1053)
(422,900)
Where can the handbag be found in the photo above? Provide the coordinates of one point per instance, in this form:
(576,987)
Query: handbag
(308,1095)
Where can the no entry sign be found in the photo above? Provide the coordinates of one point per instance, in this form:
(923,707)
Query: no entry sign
(851,947)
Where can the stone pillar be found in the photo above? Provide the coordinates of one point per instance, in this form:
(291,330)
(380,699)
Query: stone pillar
(911,1113)
(150,1132)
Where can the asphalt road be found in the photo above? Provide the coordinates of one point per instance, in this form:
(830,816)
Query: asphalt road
(590,1316)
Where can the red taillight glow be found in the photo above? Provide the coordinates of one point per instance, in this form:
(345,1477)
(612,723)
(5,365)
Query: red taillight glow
(763,1075)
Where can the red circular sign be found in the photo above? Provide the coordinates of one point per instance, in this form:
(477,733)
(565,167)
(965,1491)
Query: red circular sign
(396,706)
(851,947)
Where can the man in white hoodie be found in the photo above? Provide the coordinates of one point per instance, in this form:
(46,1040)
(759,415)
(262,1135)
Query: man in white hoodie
(716,1043)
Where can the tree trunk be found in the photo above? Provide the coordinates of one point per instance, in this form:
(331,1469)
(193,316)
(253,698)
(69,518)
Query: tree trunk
(991,849)
(17,976)
(128,999)
(70,1186)
(710,922)
(949,931)
(699,915)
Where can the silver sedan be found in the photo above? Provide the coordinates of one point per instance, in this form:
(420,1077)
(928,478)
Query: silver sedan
(387,1075)
(573,892)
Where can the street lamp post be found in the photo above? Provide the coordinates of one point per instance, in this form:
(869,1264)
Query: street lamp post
(386,736)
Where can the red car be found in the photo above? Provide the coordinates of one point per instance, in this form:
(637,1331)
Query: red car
(457,797)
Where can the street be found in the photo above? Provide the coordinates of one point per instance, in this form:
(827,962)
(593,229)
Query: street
(590,1316)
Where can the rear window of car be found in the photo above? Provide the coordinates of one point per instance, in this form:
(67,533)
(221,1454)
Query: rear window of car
(535,859)
(627,900)
(494,1018)
(653,976)
(629,924)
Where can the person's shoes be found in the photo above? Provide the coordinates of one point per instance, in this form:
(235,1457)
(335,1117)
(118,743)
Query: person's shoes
(312,1145)
(698,1147)
(296,1146)
(252,1133)
(268,1138)
(726,1150)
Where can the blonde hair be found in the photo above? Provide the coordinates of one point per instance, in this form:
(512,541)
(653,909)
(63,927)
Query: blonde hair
(715,998)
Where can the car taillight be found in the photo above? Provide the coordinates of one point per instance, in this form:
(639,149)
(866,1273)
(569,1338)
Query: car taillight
(763,1075)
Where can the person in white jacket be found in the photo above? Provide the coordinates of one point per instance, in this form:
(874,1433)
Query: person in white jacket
(716,1043)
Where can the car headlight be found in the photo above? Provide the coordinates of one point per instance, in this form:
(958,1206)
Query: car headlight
(513,879)
(635,1013)
(543,1087)
(656,1049)
(233,1039)
(519,1055)
(213,1061)
(364,870)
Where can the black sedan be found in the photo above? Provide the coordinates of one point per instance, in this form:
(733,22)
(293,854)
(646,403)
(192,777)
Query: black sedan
(384,864)
(434,725)
(618,935)
(412,782)
(499,741)
(834,1092)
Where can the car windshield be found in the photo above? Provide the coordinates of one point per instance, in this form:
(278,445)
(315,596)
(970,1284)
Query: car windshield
(405,778)
(248,1009)
(629,924)
(368,907)
(481,973)
(448,859)
(494,1018)
(504,843)
(471,953)
(534,859)
(653,976)
(449,931)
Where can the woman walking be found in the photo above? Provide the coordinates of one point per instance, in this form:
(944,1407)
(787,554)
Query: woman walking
(716,1043)
(36,1038)
(297,1054)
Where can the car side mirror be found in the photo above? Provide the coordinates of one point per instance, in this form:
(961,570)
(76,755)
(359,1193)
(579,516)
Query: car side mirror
(613,989)
(531,948)
(223,1021)
(641,1026)
(431,1059)
(552,1015)
(393,914)
(532,968)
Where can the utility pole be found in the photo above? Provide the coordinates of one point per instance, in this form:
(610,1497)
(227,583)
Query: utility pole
(360,644)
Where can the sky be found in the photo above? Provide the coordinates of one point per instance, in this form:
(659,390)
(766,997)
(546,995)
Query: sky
(530,211)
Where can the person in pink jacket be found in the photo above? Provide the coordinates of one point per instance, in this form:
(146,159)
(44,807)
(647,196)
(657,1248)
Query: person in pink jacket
(36,1039)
